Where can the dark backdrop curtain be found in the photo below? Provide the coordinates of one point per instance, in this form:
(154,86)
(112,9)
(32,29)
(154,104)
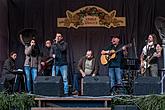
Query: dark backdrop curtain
(3,32)
(42,15)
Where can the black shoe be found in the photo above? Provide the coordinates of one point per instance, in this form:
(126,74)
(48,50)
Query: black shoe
(66,95)
(75,92)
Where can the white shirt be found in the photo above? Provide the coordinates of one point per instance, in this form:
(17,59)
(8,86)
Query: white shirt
(147,47)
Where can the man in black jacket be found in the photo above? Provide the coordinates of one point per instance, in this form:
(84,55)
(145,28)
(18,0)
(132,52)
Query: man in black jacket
(46,61)
(59,53)
(8,71)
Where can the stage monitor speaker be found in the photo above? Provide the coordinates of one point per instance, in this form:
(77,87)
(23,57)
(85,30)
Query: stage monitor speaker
(95,86)
(146,86)
(125,107)
(48,86)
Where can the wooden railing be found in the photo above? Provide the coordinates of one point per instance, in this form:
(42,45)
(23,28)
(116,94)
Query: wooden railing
(53,108)
(43,101)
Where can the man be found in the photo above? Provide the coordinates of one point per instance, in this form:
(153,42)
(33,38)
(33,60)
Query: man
(31,64)
(114,64)
(87,66)
(149,57)
(46,61)
(8,71)
(59,53)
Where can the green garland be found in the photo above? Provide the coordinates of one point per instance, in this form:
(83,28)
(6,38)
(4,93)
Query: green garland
(16,101)
(24,101)
(148,102)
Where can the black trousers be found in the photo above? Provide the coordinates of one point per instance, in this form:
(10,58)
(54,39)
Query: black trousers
(13,84)
(8,85)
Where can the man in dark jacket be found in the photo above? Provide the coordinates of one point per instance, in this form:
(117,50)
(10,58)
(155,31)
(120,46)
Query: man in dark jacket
(46,61)
(87,66)
(114,61)
(8,71)
(59,53)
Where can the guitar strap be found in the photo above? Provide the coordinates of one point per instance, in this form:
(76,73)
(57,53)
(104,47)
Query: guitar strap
(150,52)
(114,47)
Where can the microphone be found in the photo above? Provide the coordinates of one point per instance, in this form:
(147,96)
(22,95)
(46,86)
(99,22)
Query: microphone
(55,41)
(32,46)
(146,41)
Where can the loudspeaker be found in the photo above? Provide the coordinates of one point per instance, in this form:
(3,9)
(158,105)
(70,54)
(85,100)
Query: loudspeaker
(125,107)
(48,86)
(95,86)
(146,86)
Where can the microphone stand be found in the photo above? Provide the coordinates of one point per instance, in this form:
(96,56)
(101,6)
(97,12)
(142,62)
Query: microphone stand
(163,69)
(162,36)
(147,49)
(54,64)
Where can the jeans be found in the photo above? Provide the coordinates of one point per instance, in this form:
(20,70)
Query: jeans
(115,76)
(53,70)
(76,81)
(64,73)
(30,72)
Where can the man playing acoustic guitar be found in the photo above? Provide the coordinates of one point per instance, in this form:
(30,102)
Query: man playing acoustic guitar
(114,54)
(149,57)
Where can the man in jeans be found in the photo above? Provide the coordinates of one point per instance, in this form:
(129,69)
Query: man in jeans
(31,64)
(59,53)
(87,66)
(114,64)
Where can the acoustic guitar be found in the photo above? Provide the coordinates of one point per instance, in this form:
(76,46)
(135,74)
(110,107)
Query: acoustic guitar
(108,57)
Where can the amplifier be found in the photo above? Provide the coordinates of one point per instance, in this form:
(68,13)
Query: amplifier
(48,86)
(95,86)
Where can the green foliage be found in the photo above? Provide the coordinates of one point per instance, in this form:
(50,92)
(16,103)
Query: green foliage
(149,102)
(16,101)
(24,101)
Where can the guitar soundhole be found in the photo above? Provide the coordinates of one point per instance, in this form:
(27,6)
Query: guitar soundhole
(107,57)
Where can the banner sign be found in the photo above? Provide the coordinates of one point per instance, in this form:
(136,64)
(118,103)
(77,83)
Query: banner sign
(91,16)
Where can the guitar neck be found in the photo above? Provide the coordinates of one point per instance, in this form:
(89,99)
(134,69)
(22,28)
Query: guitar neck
(128,45)
(151,57)
(118,50)
(49,60)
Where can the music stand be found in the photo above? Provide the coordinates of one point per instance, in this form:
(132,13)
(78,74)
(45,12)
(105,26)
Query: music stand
(131,65)
(160,26)
(19,73)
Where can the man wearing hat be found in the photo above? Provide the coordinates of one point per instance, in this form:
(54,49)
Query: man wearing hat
(114,60)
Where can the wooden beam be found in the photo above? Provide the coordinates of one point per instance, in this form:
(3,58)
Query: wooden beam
(65,108)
